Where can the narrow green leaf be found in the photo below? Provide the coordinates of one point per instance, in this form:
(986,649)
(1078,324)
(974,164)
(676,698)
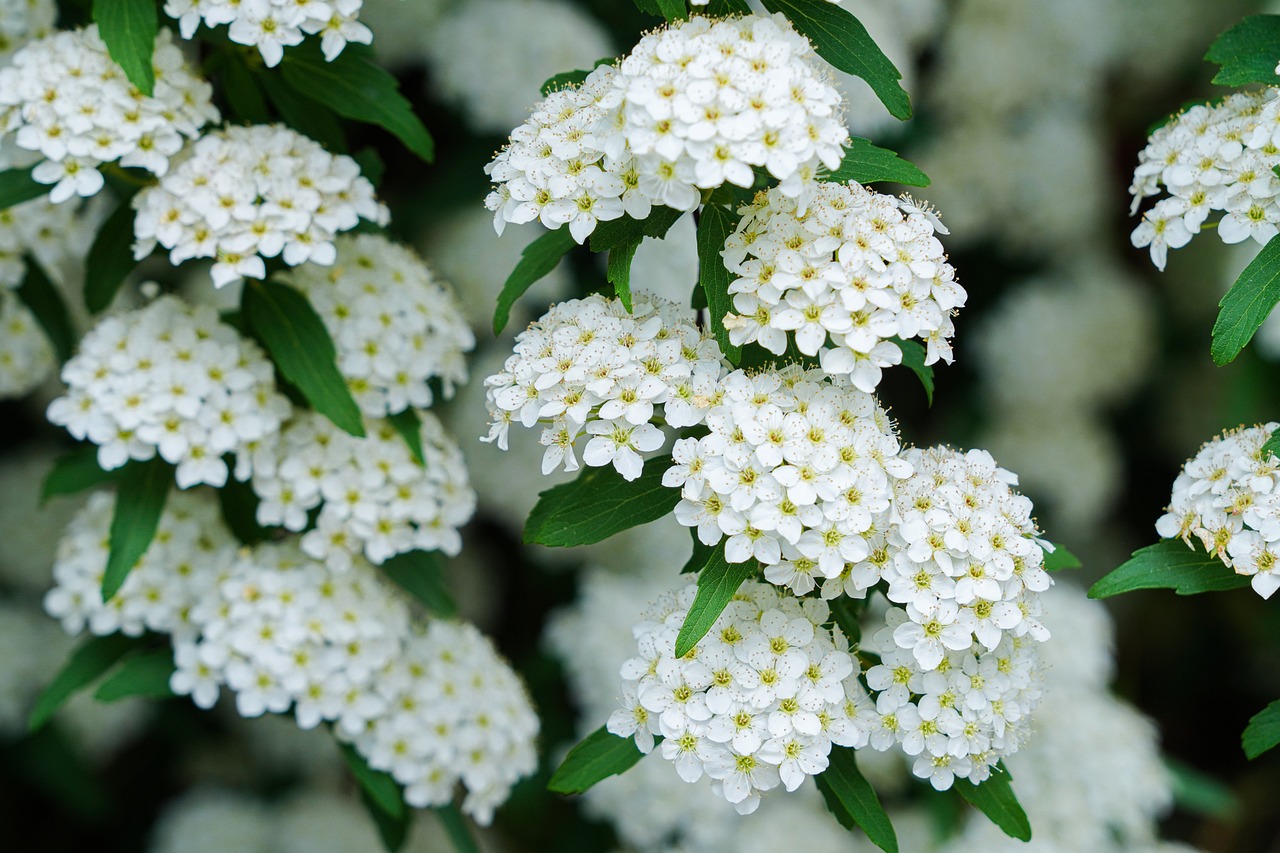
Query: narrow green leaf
(597,757)
(1060,559)
(995,799)
(143,675)
(75,471)
(867,163)
(850,797)
(1247,52)
(1169,564)
(244,94)
(45,302)
(700,556)
(1272,445)
(17,186)
(714,227)
(392,831)
(355,88)
(144,487)
(842,40)
(313,119)
(455,826)
(718,583)
(624,229)
(846,612)
(1247,303)
(599,504)
(913,353)
(110,258)
(619,271)
(91,659)
(538,259)
(409,425)
(129,28)
(1263,731)
(239,505)
(300,345)
(1200,793)
(421,574)
(380,787)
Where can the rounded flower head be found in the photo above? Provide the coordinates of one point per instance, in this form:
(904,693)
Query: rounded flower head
(65,98)
(396,326)
(22,21)
(243,194)
(273,25)
(173,379)
(26,357)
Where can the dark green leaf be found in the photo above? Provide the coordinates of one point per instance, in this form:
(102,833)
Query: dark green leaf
(1263,731)
(1200,793)
(724,8)
(1272,445)
(619,271)
(421,574)
(866,163)
(17,186)
(718,583)
(598,756)
(1169,564)
(846,612)
(380,787)
(129,28)
(913,353)
(110,258)
(624,229)
(599,504)
(300,345)
(1060,559)
(312,119)
(455,826)
(244,94)
(239,505)
(538,258)
(1247,52)
(144,487)
(853,801)
(392,831)
(355,88)
(409,425)
(672,10)
(75,471)
(714,227)
(842,40)
(701,554)
(571,78)
(1247,303)
(45,302)
(91,659)
(995,799)
(143,675)
(371,164)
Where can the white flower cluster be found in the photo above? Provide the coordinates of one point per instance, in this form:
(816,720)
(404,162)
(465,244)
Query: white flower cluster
(455,711)
(1228,497)
(798,473)
(191,553)
(760,701)
(856,267)
(1211,158)
(695,105)
(590,366)
(374,498)
(171,378)
(26,357)
(22,21)
(68,100)
(394,324)
(242,194)
(273,25)
(39,226)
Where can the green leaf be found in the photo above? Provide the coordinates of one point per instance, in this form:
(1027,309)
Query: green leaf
(571,78)
(312,119)
(672,10)
(724,8)
(1247,303)
(597,757)
(371,164)
(714,227)
(842,40)
(110,258)
(867,163)
(392,831)
(846,613)
(143,675)
(409,425)
(619,271)
(1169,564)
(599,504)
(1263,731)
(129,28)
(624,229)
(144,487)
(380,787)
(701,554)
(1247,52)
(1272,445)
(239,505)
(538,258)
(300,345)
(1200,793)
(355,88)
(91,659)
(421,574)
(913,353)
(75,471)
(45,302)
(850,797)
(718,583)
(455,826)
(995,799)
(17,186)
(244,95)
(1060,559)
